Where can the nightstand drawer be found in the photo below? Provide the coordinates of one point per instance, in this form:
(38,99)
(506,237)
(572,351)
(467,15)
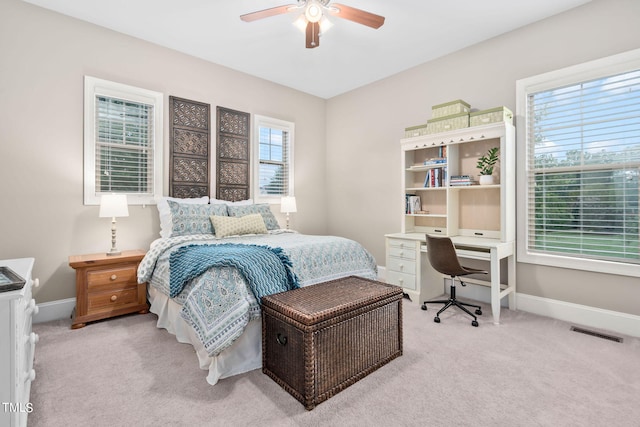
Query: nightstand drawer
(99,279)
(113,299)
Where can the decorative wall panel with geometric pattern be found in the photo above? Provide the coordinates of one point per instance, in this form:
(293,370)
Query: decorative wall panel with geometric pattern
(232,164)
(189,153)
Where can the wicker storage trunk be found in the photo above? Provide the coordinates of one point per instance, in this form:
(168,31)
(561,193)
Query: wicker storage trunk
(320,339)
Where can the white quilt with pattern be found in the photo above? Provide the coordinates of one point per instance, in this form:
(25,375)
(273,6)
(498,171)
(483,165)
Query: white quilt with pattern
(219,304)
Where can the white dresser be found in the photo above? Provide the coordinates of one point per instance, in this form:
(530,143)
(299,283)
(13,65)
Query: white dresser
(17,345)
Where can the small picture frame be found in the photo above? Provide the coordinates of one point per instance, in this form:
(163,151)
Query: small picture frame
(9,280)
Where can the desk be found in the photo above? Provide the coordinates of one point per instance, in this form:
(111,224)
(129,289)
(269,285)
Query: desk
(408,267)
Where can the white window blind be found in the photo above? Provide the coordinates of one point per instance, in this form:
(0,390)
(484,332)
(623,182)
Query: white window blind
(122,141)
(274,139)
(124,146)
(583,142)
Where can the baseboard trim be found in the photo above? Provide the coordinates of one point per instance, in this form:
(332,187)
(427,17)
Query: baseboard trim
(55,310)
(614,321)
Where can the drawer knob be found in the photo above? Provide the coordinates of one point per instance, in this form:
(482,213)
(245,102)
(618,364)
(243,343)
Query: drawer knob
(113,298)
(33,338)
(36,283)
(33,307)
(113,277)
(32,375)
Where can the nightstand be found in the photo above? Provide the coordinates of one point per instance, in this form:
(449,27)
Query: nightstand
(107,286)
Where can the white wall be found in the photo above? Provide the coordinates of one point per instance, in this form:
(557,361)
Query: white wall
(44,58)
(364,128)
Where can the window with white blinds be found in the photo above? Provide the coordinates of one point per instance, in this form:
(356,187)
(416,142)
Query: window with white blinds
(582,165)
(273,145)
(123,140)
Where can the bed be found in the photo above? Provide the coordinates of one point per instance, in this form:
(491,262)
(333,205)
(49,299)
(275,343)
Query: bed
(213,262)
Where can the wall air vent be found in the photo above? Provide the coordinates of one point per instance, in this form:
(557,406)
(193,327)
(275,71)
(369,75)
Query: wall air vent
(596,334)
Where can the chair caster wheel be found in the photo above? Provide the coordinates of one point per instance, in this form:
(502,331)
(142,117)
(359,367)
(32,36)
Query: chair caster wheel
(424,307)
(479,312)
(436,319)
(474,323)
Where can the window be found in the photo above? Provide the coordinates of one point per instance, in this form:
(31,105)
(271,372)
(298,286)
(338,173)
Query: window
(122,142)
(579,166)
(273,148)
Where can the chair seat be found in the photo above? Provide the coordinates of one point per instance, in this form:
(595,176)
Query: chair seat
(470,270)
(443,258)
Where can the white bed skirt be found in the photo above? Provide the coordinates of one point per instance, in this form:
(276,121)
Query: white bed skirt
(245,354)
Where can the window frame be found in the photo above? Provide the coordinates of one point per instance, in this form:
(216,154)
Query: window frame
(597,69)
(273,123)
(94,86)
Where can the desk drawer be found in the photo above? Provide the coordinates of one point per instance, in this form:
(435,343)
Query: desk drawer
(404,280)
(401,243)
(401,265)
(403,253)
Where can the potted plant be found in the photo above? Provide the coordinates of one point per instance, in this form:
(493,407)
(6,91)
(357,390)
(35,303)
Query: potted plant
(486,164)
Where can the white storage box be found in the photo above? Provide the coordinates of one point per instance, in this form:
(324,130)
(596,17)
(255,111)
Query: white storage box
(445,124)
(494,115)
(450,108)
(412,131)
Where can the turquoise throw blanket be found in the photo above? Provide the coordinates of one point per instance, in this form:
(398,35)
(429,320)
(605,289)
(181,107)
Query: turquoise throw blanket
(267,270)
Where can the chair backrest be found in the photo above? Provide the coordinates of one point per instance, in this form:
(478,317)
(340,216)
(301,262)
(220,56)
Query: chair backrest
(443,257)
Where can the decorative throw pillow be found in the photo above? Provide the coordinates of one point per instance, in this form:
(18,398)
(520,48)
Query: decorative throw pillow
(166,226)
(193,219)
(263,209)
(234,226)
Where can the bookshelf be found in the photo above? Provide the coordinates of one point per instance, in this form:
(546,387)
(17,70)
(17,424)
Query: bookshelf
(480,219)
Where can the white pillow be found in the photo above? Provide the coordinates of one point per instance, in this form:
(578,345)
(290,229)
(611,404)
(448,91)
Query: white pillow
(166,224)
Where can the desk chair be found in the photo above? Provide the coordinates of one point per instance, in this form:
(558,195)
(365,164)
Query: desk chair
(443,258)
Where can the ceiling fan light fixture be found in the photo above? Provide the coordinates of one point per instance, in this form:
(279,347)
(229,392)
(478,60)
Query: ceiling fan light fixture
(313,12)
(325,25)
(301,23)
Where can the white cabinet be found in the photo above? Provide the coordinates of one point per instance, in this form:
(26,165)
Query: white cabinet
(480,219)
(17,346)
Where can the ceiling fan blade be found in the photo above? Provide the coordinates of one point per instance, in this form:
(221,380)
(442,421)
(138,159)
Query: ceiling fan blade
(313,35)
(356,15)
(266,13)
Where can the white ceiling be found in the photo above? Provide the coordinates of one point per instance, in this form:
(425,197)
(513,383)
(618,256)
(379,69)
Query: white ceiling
(349,56)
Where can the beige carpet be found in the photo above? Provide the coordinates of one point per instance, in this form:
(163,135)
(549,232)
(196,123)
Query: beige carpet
(528,371)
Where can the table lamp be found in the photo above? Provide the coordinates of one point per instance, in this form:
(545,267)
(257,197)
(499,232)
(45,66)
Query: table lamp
(288,205)
(113,205)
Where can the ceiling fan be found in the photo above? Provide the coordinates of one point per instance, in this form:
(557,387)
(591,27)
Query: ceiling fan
(313,15)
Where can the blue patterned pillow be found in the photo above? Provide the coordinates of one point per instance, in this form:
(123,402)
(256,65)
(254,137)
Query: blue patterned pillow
(193,219)
(263,209)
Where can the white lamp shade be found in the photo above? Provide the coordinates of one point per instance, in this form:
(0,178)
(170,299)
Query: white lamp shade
(113,205)
(288,204)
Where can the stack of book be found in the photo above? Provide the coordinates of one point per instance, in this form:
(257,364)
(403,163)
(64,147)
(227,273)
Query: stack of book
(436,177)
(461,180)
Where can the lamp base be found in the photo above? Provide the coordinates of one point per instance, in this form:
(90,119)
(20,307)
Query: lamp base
(114,252)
